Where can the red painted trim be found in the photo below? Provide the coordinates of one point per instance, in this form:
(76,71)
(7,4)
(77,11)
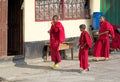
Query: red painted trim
(62,19)
(35,10)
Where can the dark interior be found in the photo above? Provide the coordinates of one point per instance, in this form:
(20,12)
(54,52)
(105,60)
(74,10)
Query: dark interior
(15,27)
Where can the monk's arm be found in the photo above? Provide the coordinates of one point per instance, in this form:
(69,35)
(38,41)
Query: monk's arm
(83,45)
(103,33)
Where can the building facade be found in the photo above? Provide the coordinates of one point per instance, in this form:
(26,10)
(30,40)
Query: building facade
(24,24)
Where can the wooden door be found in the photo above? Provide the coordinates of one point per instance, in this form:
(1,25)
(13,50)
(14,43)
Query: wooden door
(15,27)
(3,27)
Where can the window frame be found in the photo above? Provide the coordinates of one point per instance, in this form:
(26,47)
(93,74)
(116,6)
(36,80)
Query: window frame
(63,13)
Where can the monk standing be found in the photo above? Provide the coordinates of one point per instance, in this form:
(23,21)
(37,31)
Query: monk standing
(116,41)
(102,46)
(85,42)
(57,36)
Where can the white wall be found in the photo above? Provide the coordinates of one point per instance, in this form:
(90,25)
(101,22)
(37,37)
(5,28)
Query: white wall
(95,5)
(37,31)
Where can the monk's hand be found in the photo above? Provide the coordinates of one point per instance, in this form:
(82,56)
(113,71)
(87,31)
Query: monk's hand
(59,46)
(48,31)
(52,23)
(82,47)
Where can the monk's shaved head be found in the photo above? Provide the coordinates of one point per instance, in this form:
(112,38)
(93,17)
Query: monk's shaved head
(55,17)
(82,26)
(102,18)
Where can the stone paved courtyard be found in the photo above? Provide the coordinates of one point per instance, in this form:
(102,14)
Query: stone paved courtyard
(38,71)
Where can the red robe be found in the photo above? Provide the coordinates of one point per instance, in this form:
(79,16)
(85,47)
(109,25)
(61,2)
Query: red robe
(57,36)
(83,53)
(102,46)
(116,41)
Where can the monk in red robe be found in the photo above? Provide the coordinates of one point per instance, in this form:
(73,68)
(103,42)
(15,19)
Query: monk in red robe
(85,42)
(116,41)
(102,46)
(57,36)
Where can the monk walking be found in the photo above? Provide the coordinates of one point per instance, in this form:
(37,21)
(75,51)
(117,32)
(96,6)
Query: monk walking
(102,46)
(85,42)
(57,36)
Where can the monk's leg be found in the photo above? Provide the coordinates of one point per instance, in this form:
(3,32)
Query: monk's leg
(97,50)
(83,58)
(114,43)
(106,49)
(55,55)
(118,41)
(58,57)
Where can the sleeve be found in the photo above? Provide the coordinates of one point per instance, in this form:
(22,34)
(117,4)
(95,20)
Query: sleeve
(88,40)
(51,30)
(61,33)
(111,30)
(107,26)
(55,28)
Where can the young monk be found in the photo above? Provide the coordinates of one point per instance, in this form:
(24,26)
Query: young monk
(57,36)
(102,46)
(85,42)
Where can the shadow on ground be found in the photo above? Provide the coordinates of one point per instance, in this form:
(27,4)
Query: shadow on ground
(69,70)
(20,62)
(4,80)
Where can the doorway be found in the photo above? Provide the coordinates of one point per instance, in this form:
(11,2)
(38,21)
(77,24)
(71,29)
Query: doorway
(15,28)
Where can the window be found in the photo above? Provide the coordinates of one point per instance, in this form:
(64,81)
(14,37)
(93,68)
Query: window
(65,9)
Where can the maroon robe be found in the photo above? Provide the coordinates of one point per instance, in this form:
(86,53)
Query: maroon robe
(83,53)
(116,41)
(57,36)
(102,46)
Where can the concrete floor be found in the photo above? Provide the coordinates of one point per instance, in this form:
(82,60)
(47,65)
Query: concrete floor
(35,70)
